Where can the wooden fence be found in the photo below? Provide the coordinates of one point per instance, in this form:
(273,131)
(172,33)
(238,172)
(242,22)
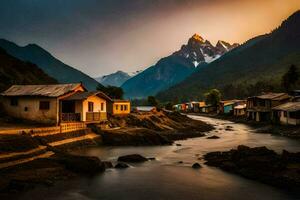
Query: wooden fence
(63,128)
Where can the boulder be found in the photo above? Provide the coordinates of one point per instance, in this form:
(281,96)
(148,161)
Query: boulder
(196,166)
(134,158)
(80,164)
(107,164)
(151,158)
(121,166)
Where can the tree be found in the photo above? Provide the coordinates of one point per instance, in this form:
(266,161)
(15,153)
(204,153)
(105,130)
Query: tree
(112,91)
(213,97)
(290,78)
(152,101)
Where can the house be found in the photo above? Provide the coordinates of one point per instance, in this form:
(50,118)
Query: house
(287,113)
(119,107)
(295,95)
(259,108)
(208,109)
(177,107)
(227,107)
(54,104)
(240,110)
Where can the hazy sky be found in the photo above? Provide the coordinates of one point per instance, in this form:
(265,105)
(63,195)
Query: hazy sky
(103,36)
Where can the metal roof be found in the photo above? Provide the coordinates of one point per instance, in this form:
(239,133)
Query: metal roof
(274,96)
(54,90)
(290,106)
(85,95)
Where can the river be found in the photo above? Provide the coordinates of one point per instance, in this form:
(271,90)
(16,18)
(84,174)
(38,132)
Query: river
(166,178)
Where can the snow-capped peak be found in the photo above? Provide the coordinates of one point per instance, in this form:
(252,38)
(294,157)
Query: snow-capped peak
(198,50)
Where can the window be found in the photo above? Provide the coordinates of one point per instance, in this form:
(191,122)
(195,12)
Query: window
(44,105)
(117,107)
(121,107)
(14,102)
(125,107)
(91,106)
(102,106)
(285,114)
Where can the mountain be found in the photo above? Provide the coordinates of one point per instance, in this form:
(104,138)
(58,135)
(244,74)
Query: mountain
(262,58)
(114,79)
(198,50)
(171,70)
(49,64)
(15,71)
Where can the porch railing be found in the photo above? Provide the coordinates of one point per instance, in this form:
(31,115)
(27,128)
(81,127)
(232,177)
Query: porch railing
(96,116)
(70,117)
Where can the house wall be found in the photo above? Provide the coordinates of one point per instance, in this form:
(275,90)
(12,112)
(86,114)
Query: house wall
(97,106)
(33,112)
(287,119)
(116,108)
(239,112)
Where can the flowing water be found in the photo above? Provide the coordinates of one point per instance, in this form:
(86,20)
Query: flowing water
(166,178)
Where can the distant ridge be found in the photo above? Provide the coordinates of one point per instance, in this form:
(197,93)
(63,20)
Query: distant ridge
(261,58)
(173,69)
(114,79)
(53,67)
(14,71)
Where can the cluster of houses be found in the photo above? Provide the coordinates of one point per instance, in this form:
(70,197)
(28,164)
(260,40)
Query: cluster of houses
(60,103)
(280,108)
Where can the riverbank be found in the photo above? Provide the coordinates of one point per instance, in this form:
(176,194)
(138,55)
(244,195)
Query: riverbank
(260,127)
(260,163)
(152,128)
(27,160)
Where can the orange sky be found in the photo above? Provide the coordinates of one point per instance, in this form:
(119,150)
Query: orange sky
(101,37)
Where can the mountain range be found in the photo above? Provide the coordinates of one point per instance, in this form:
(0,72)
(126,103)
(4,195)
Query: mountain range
(168,71)
(15,71)
(114,79)
(265,57)
(49,64)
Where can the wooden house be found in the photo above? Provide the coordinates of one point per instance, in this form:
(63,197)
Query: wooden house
(119,107)
(209,109)
(259,108)
(287,113)
(227,107)
(240,110)
(54,104)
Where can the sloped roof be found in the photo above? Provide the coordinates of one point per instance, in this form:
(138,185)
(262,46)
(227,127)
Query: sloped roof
(274,96)
(54,90)
(120,100)
(85,95)
(240,106)
(290,106)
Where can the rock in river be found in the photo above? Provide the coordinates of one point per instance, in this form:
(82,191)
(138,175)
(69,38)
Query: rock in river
(213,137)
(132,158)
(196,166)
(121,166)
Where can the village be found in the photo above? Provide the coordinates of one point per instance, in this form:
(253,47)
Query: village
(273,108)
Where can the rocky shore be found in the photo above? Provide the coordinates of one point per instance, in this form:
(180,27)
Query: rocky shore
(153,128)
(259,163)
